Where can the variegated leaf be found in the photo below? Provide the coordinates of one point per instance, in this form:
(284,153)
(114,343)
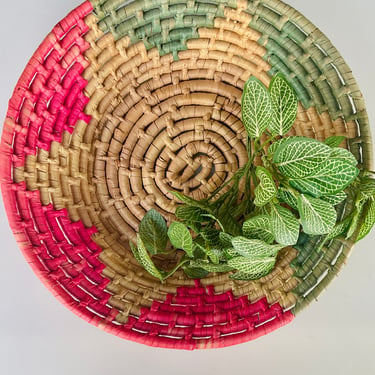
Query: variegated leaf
(194,272)
(340,228)
(284,105)
(367,187)
(317,216)
(258,227)
(144,259)
(190,213)
(343,154)
(251,268)
(284,226)
(333,176)
(207,266)
(266,190)
(288,197)
(276,144)
(254,248)
(335,199)
(368,222)
(256,107)
(300,157)
(230,253)
(180,237)
(225,239)
(153,232)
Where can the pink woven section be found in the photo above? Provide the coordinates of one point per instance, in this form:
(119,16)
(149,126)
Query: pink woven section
(196,317)
(61,253)
(48,98)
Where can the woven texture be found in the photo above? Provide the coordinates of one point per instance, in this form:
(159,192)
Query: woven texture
(124,102)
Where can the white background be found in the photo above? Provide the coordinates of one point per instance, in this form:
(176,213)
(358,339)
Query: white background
(38,335)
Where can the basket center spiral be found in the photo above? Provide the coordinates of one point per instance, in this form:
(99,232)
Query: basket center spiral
(164,126)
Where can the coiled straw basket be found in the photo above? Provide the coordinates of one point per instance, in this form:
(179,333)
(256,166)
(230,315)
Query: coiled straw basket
(125,101)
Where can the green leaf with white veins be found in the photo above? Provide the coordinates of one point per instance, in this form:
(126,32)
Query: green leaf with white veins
(300,156)
(254,248)
(333,176)
(368,222)
(251,268)
(317,216)
(343,154)
(207,266)
(256,107)
(335,199)
(153,232)
(276,144)
(180,237)
(284,105)
(190,213)
(266,190)
(258,227)
(288,197)
(146,261)
(284,226)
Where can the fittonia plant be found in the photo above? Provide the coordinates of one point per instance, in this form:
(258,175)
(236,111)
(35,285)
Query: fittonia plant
(292,195)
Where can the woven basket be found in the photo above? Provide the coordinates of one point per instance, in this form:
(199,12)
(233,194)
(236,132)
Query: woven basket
(124,102)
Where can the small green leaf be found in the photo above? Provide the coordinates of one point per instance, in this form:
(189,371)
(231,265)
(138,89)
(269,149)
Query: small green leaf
(288,197)
(340,228)
(190,201)
(258,227)
(194,272)
(356,214)
(144,259)
(276,144)
(256,107)
(335,199)
(266,190)
(215,219)
(230,224)
(153,232)
(367,187)
(221,267)
(369,221)
(300,156)
(284,105)
(135,252)
(211,236)
(252,268)
(335,140)
(225,239)
(333,176)
(317,216)
(284,226)
(212,253)
(230,253)
(180,237)
(190,214)
(343,154)
(254,248)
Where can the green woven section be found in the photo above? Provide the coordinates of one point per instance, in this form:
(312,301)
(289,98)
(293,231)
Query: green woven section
(305,55)
(165,24)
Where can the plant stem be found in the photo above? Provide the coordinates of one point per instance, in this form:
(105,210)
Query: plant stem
(170,273)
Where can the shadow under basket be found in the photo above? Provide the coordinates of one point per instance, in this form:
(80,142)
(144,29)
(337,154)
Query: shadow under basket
(125,101)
